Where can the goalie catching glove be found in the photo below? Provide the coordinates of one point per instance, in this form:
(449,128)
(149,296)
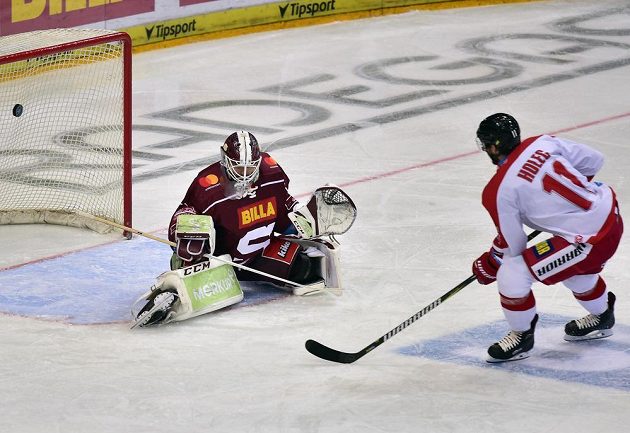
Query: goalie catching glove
(330,211)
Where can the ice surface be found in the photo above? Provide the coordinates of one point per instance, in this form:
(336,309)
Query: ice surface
(386,108)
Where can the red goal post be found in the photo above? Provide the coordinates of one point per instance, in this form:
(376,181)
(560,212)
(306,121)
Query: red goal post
(65,127)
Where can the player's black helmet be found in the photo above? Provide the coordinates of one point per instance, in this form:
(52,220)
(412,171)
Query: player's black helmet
(501,130)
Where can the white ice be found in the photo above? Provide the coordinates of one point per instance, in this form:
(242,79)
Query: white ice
(70,363)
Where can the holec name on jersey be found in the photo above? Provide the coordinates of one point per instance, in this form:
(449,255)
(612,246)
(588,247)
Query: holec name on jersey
(264,210)
(530,169)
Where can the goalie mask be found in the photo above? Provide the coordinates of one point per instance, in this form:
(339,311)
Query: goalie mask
(240,156)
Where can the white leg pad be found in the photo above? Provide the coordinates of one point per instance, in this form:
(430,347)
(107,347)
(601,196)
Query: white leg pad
(329,249)
(202,288)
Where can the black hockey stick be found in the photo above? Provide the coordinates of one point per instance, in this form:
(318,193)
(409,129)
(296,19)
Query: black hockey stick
(325,352)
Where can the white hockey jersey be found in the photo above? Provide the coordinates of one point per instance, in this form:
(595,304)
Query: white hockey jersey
(545,183)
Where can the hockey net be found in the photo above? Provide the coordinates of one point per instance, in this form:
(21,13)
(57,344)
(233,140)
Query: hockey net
(65,127)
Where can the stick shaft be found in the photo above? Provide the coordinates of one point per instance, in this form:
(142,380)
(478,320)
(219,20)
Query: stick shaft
(322,351)
(173,244)
(125,228)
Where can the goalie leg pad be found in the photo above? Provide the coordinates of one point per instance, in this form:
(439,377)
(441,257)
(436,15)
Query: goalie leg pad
(278,259)
(206,287)
(306,270)
(200,288)
(327,253)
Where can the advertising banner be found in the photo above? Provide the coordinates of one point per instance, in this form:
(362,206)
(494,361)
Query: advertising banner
(193,2)
(261,14)
(17,16)
(159,21)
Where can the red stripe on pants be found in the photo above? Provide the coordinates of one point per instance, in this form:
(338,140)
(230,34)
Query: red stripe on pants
(594,293)
(518,304)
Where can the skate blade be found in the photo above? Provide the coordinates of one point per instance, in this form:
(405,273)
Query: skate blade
(517,357)
(595,335)
(146,316)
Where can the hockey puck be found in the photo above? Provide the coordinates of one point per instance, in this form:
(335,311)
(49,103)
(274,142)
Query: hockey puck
(17,110)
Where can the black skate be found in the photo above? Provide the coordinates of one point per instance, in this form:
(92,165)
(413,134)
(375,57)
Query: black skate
(156,310)
(514,346)
(592,326)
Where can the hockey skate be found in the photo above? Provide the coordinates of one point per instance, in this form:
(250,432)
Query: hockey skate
(514,346)
(592,326)
(156,310)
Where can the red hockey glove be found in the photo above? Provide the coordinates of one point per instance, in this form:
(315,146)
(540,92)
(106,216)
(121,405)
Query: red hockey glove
(485,268)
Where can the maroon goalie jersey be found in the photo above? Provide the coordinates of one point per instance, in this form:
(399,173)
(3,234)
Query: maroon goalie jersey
(243,226)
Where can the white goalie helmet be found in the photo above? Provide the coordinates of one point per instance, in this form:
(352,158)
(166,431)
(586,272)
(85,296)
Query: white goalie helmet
(240,156)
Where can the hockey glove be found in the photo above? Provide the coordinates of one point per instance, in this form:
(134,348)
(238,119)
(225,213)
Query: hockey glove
(329,211)
(195,237)
(486,267)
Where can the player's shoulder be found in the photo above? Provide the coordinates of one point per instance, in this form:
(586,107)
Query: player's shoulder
(536,139)
(269,167)
(210,178)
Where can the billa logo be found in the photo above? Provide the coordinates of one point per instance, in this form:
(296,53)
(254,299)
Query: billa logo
(264,210)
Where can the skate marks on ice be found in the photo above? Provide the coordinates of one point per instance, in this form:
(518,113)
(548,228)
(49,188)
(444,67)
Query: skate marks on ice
(96,285)
(604,362)
(411,83)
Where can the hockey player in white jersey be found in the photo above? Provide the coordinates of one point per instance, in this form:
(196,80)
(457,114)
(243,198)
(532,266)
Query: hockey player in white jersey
(546,183)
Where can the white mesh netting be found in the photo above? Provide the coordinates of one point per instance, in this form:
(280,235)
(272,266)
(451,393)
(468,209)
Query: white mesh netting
(61,128)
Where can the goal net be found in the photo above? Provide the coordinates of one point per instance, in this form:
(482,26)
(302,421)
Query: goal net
(65,127)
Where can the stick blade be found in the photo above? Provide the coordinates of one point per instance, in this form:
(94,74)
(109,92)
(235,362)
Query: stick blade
(325,352)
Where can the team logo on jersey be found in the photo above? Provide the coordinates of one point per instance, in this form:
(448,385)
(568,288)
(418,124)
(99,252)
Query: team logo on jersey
(261,211)
(542,248)
(270,162)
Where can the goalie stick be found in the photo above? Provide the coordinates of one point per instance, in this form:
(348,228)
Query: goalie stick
(329,354)
(299,289)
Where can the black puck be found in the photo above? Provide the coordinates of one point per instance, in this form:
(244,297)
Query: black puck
(17,110)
